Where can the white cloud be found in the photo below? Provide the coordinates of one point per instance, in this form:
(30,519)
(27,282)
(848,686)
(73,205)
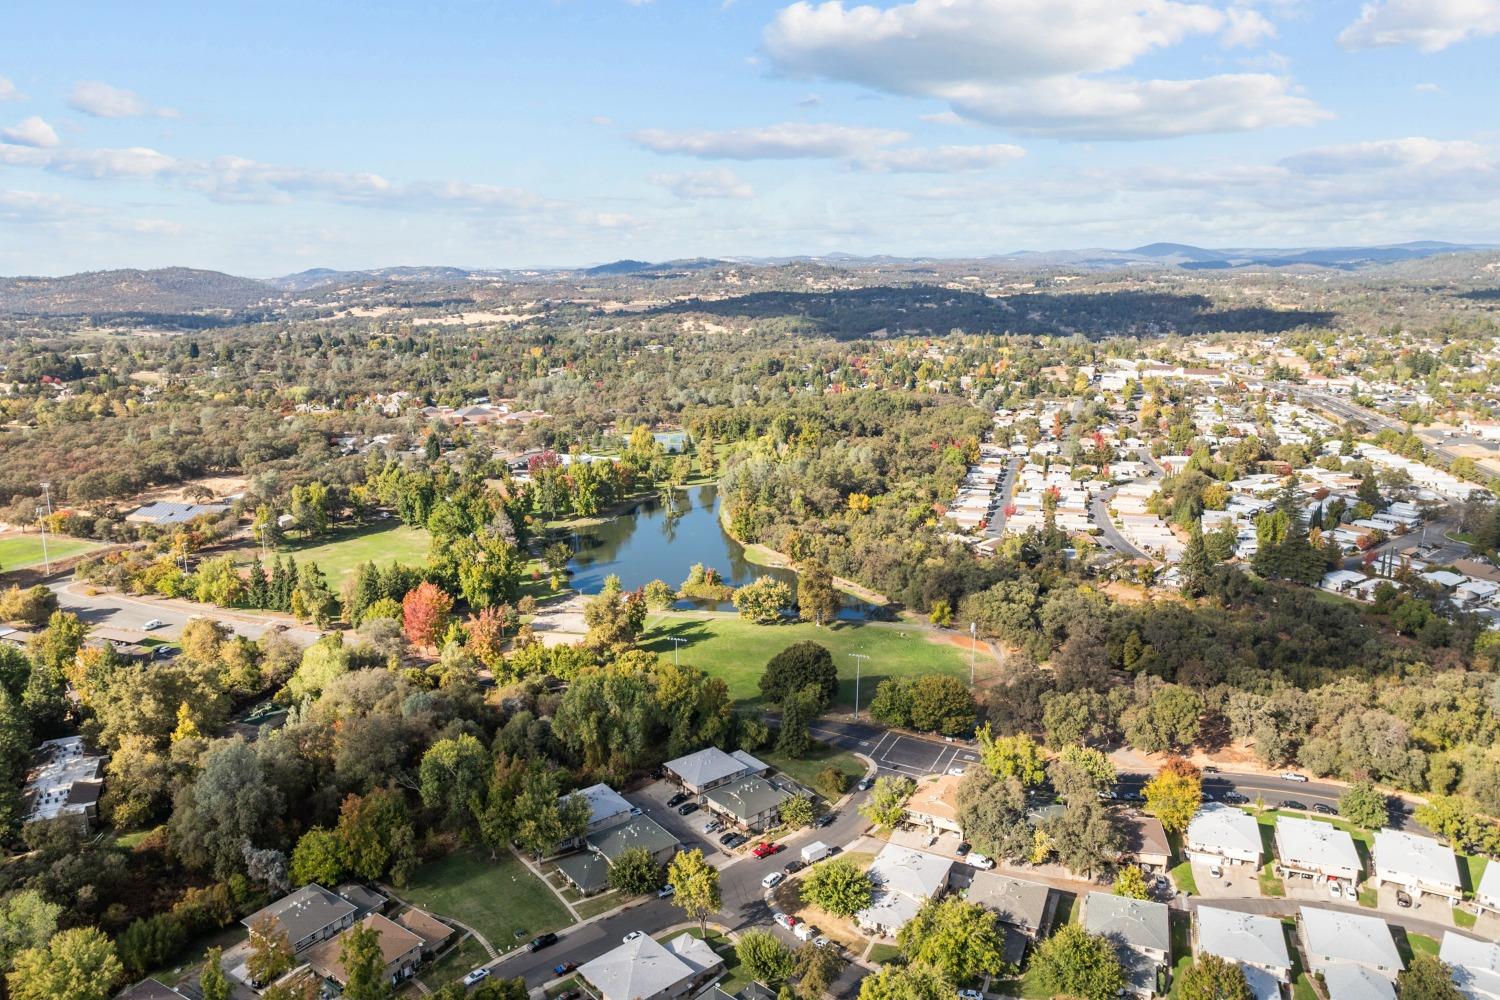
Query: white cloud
(35,207)
(938,159)
(103,101)
(1413,154)
(698,184)
(1427,88)
(155,227)
(786,141)
(31,132)
(1429,25)
(8,91)
(1034,65)
(1086,108)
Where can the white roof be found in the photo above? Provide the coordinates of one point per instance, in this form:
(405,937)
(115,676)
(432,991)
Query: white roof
(1489,883)
(1307,843)
(1336,937)
(1138,923)
(1263,985)
(706,767)
(1355,982)
(904,879)
(637,969)
(1243,937)
(1423,858)
(1217,825)
(603,801)
(1476,964)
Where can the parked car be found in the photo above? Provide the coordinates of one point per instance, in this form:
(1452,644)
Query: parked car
(570,995)
(1292,776)
(667,890)
(765,849)
(865,784)
(477,975)
(821,942)
(772,880)
(956,772)
(1403,900)
(1324,809)
(785,920)
(153,625)
(636,810)
(714,826)
(1291,804)
(970,995)
(963,849)
(825,820)
(981,862)
(805,932)
(1335,888)
(727,838)
(793,866)
(1215,872)
(563,968)
(542,941)
(632,936)
(1210,769)
(737,840)
(1235,798)
(686,808)
(677,799)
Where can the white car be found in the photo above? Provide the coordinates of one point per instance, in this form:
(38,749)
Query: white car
(476,976)
(153,625)
(820,942)
(1216,872)
(772,880)
(970,995)
(957,772)
(980,861)
(1292,776)
(1336,889)
(632,936)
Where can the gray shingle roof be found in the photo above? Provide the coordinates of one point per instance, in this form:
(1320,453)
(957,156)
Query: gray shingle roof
(304,912)
(1139,923)
(1243,937)
(1014,900)
(706,767)
(636,969)
(746,799)
(642,831)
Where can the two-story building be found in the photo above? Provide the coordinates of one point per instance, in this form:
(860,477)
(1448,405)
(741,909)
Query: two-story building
(1140,930)
(1417,865)
(1255,942)
(1220,834)
(307,916)
(1320,851)
(1352,950)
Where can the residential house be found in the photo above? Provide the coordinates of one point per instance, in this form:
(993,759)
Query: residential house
(1024,908)
(1250,939)
(1220,834)
(711,767)
(1476,965)
(904,879)
(1315,850)
(434,933)
(1416,864)
(1487,893)
(1355,982)
(1146,842)
(752,803)
(646,969)
(933,805)
(1140,930)
(65,781)
(1333,938)
(607,808)
(589,869)
(166,512)
(309,915)
(400,949)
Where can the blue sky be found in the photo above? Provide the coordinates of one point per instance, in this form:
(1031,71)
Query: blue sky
(268,138)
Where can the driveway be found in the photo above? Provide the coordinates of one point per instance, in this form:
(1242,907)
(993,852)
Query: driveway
(1237,881)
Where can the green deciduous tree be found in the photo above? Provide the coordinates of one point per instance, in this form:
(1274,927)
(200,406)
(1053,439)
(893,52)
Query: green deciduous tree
(695,885)
(270,950)
(798,666)
(1213,978)
(817,600)
(452,777)
(906,982)
(318,857)
(1086,837)
(764,957)
(76,964)
(796,812)
(1075,963)
(1427,977)
(1130,881)
(838,887)
(1079,771)
(961,939)
(762,600)
(886,806)
(635,872)
(1364,805)
(364,965)
(212,982)
(1016,756)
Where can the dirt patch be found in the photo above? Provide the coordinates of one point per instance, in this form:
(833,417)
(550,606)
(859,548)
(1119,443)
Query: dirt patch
(219,486)
(1129,593)
(788,899)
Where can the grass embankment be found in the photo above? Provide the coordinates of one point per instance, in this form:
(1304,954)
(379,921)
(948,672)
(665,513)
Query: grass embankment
(737,651)
(496,898)
(804,769)
(24,551)
(339,553)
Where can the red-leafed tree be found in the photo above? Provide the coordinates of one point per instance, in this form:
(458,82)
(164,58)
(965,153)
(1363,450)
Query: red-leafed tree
(486,632)
(424,613)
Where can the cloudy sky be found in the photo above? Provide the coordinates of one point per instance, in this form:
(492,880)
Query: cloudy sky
(268,138)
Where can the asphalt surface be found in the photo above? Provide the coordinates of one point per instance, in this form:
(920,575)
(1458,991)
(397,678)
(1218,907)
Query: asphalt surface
(996,527)
(130,614)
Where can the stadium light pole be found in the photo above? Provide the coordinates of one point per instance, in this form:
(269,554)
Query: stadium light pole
(858,663)
(47,495)
(973,644)
(42,523)
(677,643)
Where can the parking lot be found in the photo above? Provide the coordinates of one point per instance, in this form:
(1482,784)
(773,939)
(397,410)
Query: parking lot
(1236,880)
(917,758)
(688,829)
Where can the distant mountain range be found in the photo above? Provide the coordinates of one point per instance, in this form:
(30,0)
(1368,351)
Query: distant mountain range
(187,291)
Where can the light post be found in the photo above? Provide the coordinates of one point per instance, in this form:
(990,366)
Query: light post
(42,523)
(677,643)
(858,663)
(973,644)
(47,495)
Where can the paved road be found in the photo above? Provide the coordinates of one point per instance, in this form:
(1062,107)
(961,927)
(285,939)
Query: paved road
(996,527)
(119,611)
(1099,511)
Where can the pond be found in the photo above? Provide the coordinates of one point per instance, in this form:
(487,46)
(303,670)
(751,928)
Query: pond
(651,542)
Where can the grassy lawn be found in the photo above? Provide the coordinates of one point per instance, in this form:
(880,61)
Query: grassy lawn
(21,551)
(1369,896)
(804,769)
(496,898)
(882,953)
(338,554)
(189,961)
(1464,919)
(1471,867)
(455,964)
(129,841)
(1271,883)
(1181,946)
(1067,909)
(1182,878)
(603,903)
(737,651)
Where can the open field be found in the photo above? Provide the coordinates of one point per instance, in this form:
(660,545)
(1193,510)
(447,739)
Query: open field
(338,554)
(496,898)
(466,955)
(804,769)
(21,551)
(737,651)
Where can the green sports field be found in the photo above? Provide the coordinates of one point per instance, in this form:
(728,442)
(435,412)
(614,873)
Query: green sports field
(737,651)
(338,554)
(21,551)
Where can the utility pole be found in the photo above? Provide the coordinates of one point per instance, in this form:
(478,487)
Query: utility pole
(858,663)
(677,643)
(42,523)
(47,494)
(973,645)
